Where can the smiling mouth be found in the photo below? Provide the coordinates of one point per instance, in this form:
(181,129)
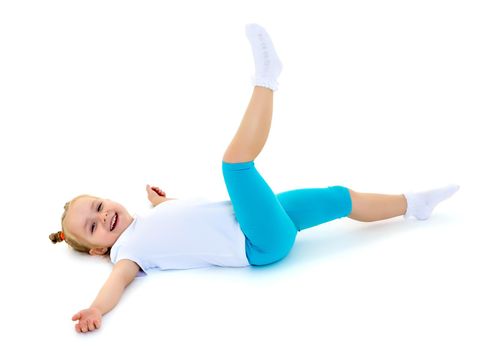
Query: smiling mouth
(113,221)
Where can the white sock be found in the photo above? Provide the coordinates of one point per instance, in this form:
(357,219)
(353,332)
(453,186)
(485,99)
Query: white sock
(267,64)
(421,204)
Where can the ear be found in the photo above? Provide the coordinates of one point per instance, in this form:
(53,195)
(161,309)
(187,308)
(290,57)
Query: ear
(97,251)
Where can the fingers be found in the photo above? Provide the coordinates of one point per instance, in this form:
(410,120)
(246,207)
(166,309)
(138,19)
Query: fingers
(87,326)
(155,189)
(86,322)
(158,191)
(81,327)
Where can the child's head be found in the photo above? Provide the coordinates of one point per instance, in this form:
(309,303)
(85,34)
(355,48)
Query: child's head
(92,225)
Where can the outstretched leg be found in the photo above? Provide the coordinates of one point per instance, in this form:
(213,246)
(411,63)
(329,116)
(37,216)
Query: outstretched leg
(309,207)
(254,128)
(269,231)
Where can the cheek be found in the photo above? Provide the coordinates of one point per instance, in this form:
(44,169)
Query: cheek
(99,231)
(123,212)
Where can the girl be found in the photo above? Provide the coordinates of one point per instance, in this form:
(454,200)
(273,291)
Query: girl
(257,227)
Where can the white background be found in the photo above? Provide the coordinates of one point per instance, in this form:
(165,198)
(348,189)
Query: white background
(102,97)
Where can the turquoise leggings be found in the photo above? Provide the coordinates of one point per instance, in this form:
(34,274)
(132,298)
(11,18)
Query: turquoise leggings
(270,222)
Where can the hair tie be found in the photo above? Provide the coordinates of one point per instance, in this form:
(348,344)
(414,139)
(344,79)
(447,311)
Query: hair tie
(62,235)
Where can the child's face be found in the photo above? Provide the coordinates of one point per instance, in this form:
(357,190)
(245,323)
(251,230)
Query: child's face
(98,222)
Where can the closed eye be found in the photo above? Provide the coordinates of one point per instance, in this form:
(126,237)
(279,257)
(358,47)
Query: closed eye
(99,208)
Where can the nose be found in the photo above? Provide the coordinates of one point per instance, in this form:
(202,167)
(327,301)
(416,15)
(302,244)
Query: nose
(103,216)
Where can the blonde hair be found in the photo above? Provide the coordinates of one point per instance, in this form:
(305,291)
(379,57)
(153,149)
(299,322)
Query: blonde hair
(69,237)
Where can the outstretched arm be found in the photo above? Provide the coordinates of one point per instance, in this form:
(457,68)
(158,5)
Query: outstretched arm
(122,275)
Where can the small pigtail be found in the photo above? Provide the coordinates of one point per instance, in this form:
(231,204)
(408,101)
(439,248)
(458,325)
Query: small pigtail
(57,237)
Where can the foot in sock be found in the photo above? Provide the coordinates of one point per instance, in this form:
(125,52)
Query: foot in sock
(421,204)
(267,64)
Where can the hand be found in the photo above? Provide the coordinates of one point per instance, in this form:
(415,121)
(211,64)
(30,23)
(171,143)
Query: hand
(155,195)
(88,320)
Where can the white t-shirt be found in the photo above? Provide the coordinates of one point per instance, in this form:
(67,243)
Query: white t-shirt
(183,234)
